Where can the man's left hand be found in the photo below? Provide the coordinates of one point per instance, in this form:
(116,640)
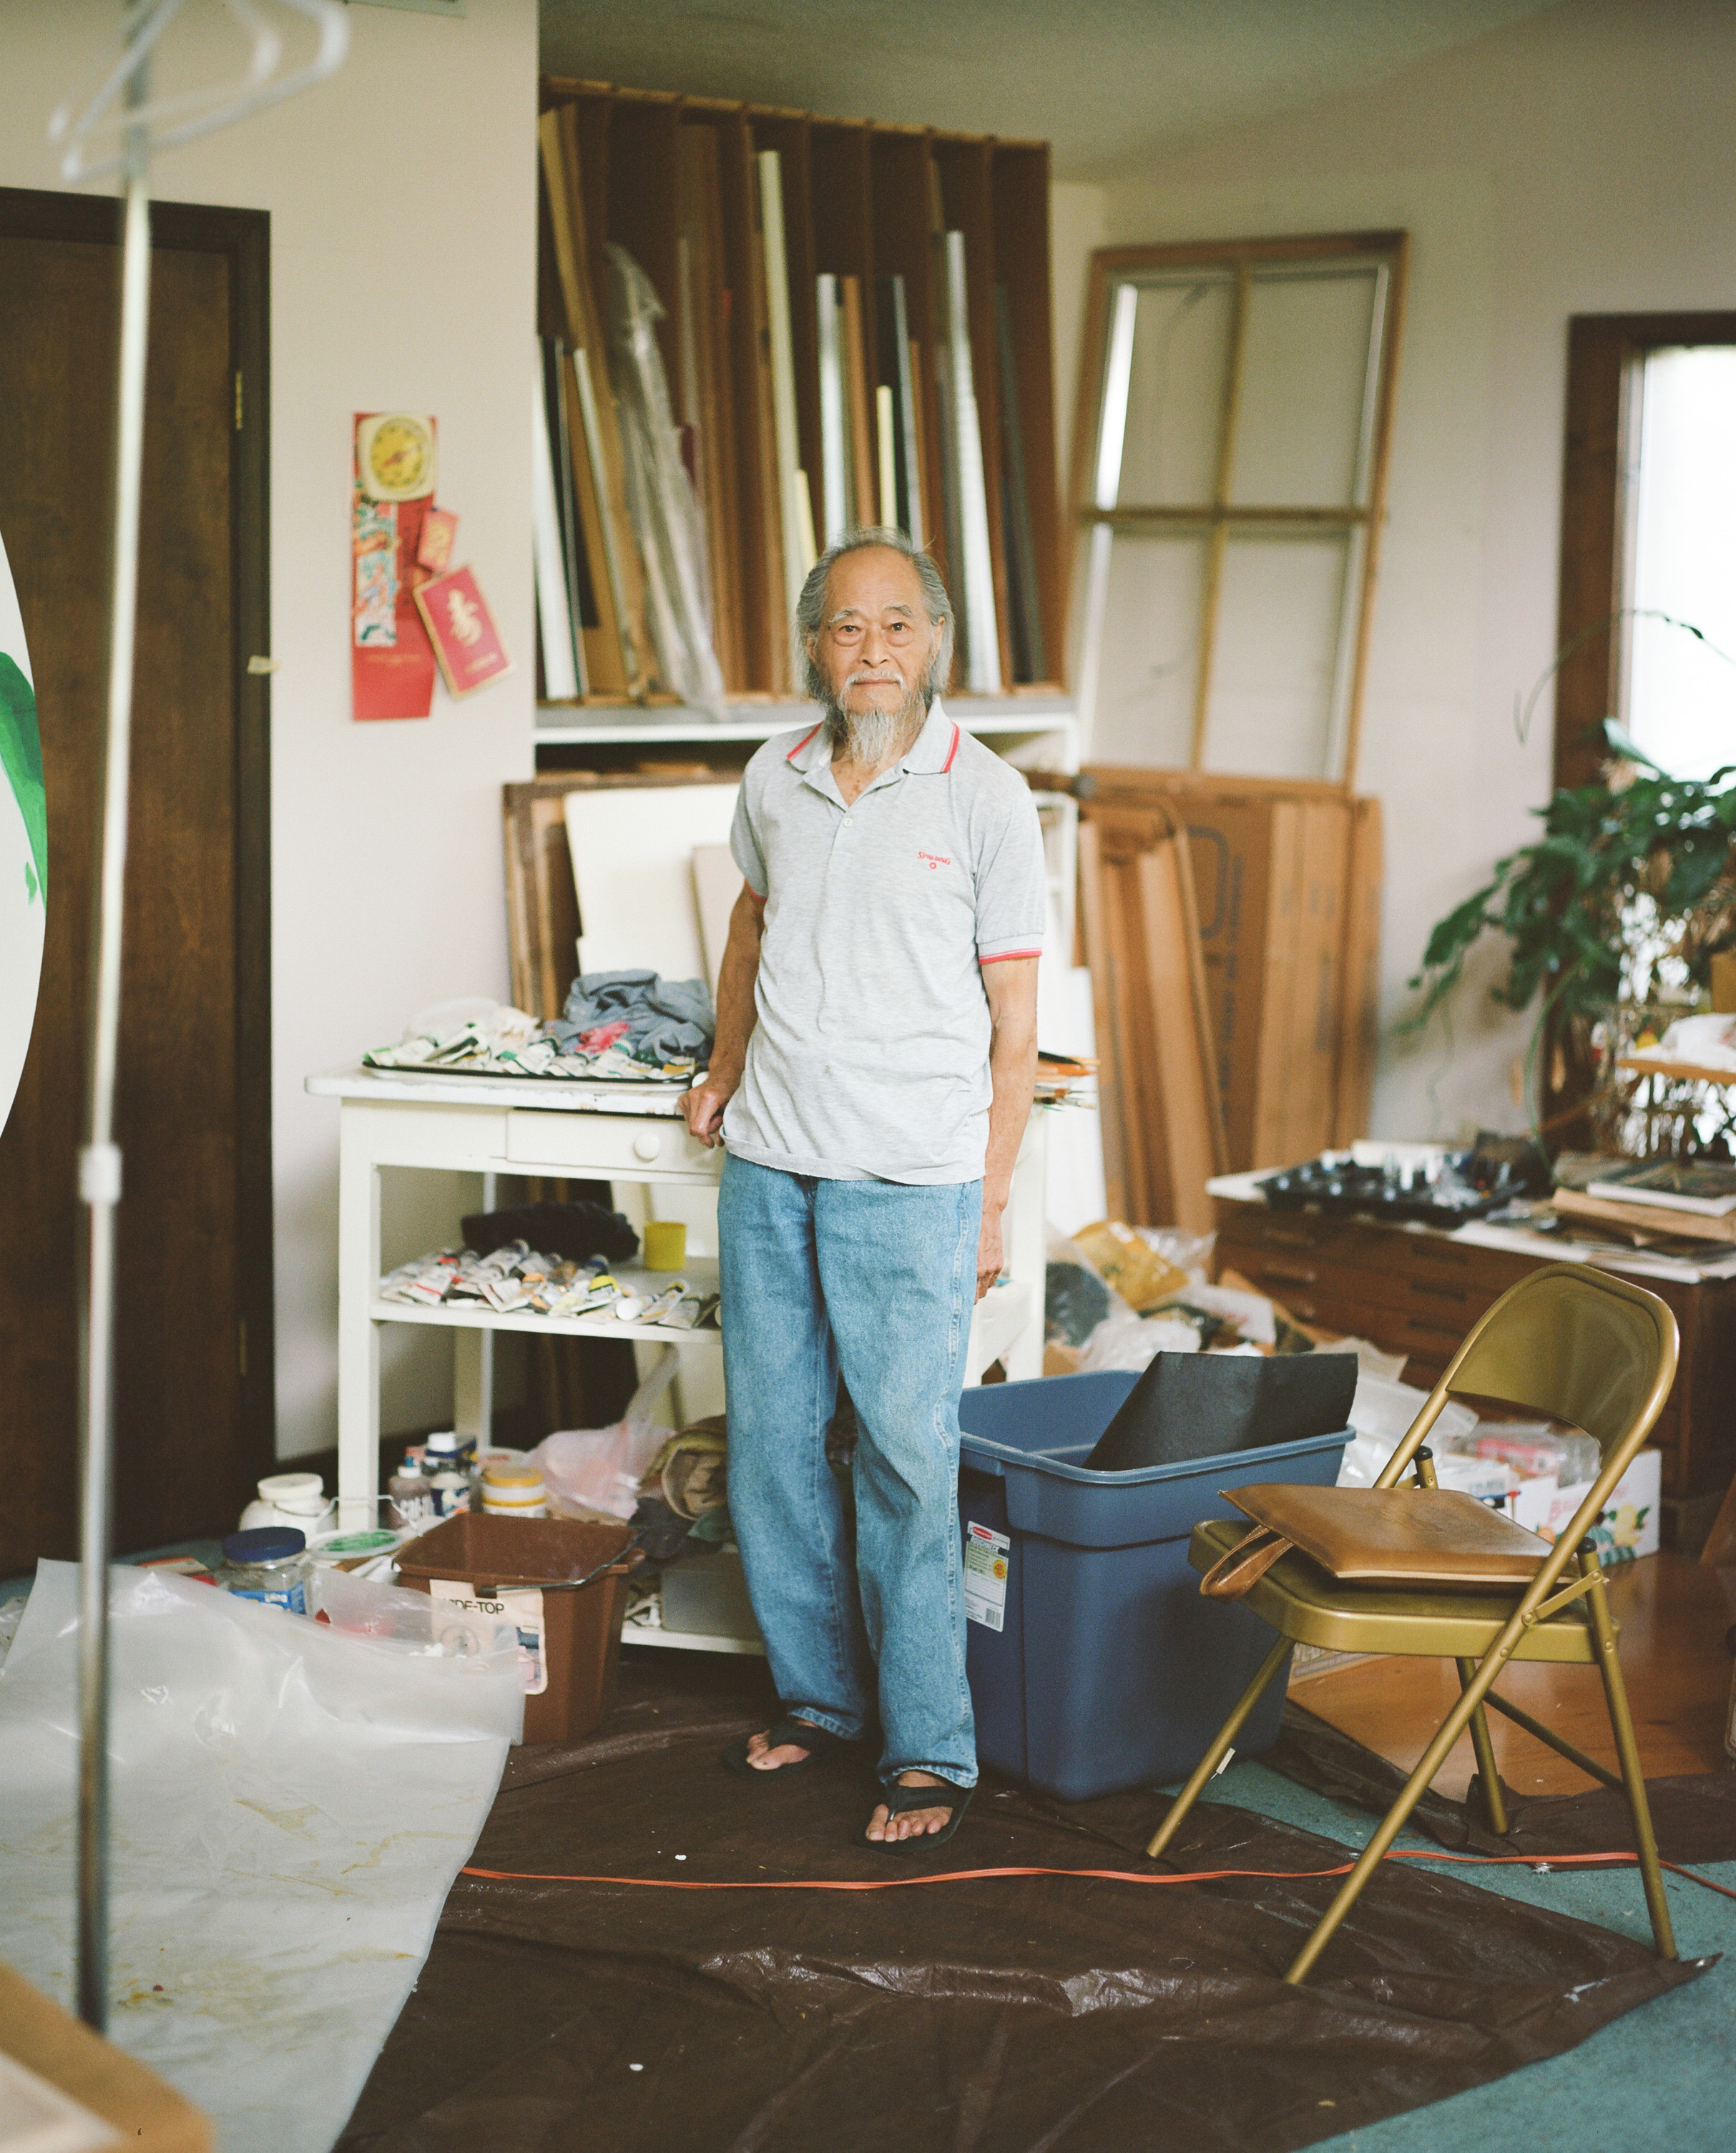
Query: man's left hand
(989,1253)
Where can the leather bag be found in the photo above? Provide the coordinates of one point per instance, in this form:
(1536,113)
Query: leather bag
(1392,1536)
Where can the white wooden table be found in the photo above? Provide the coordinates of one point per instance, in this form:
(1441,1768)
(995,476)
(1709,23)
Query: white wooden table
(494,1126)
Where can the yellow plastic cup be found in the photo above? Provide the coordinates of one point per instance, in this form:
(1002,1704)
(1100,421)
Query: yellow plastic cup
(665,1244)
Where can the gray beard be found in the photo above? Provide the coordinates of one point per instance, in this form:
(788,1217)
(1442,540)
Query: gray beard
(874,737)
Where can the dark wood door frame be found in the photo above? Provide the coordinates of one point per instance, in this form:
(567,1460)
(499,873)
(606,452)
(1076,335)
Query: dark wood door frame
(1601,352)
(244,236)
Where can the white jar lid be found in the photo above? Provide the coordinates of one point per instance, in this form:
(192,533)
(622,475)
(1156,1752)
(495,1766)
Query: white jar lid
(301,1490)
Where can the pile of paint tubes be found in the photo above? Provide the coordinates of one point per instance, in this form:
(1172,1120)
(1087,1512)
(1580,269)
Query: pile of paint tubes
(515,1281)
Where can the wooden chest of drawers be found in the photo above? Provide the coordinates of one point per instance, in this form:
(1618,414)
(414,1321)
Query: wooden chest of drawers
(1415,1292)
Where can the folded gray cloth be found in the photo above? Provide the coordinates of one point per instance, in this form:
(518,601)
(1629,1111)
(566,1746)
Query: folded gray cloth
(666,1019)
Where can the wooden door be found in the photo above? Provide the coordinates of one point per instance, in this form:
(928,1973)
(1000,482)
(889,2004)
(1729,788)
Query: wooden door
(193,1384)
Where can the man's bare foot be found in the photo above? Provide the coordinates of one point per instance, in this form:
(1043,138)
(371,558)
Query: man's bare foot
(911,1824)
(763,1758)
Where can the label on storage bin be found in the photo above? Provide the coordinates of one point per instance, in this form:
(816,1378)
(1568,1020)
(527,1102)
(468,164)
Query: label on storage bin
(463,1623)
(987,1556)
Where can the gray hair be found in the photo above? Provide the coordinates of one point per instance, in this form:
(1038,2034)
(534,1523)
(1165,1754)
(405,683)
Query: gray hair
(811,607)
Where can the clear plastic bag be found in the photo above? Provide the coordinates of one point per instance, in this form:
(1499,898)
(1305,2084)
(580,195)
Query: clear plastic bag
(660,504)
(590,1472)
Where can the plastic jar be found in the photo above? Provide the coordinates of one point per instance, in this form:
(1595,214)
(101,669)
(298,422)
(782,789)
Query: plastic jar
(297,1501)
(513,1491)
(410,1500)
(269,1564)
(449,1489)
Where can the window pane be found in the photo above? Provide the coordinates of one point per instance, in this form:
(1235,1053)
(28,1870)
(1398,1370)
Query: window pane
(1150,658)
(1275,670)
(1175,398)
(1680,694)
(1305,365)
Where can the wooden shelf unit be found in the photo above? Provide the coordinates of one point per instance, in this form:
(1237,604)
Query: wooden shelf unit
(861,200)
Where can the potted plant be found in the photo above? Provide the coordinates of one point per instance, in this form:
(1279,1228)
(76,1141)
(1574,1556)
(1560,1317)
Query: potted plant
(1613,914)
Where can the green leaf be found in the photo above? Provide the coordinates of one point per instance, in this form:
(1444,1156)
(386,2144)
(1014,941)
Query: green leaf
(20,758)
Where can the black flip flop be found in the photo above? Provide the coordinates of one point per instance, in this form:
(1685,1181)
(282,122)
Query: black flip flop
(898,1799)
(820,1743)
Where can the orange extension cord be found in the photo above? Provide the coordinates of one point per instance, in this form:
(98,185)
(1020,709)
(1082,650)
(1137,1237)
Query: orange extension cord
(1541,1863)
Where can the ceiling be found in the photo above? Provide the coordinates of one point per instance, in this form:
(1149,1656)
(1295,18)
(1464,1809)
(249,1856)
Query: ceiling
(1108,82)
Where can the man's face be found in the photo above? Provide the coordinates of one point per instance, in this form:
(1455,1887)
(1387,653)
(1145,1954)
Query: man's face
(876,641)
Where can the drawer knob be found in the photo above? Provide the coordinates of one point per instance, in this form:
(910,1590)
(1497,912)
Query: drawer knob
(646,1145)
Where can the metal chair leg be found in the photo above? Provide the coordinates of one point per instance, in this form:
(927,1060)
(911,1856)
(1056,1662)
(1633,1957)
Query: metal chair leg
(1433,1756)
(1493,1800)
(1222,1742)
(1627,1750)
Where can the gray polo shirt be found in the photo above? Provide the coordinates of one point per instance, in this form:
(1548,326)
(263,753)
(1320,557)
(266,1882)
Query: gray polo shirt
(870,1056)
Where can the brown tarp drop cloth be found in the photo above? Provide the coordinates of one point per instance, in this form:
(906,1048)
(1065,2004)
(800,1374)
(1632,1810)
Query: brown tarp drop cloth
(1001,2015)
(1694,1818)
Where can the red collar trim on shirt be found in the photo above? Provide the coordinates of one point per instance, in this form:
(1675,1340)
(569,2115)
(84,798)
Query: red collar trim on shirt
(951,751)
(802,742)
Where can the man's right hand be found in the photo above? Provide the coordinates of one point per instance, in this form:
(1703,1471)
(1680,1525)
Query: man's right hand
(703,1107)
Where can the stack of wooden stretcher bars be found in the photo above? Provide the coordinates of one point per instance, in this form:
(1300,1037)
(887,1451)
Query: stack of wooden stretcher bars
(1232,927)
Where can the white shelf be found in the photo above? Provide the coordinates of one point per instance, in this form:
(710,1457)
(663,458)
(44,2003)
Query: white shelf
(573,725)
(1000,1319)
(689,1641)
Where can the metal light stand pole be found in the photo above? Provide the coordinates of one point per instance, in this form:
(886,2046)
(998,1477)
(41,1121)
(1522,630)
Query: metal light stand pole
(99,1161)
(196,113)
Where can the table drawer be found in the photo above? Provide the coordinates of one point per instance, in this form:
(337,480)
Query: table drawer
(611,1145)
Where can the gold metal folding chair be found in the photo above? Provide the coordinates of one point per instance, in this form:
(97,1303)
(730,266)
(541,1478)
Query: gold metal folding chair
(1569,1342)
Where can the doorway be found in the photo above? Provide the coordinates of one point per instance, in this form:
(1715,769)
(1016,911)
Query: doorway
(194,1374)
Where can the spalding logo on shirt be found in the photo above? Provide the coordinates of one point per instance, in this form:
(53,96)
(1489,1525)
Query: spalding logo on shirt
(932,860)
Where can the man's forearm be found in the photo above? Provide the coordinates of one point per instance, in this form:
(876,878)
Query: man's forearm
(1012,1069)
(735,980)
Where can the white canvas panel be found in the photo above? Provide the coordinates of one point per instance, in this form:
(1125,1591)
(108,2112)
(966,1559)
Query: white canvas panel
(633,869)
(1304,364)
(1175,392)
(23,899)
(1150,659)
(1274,667)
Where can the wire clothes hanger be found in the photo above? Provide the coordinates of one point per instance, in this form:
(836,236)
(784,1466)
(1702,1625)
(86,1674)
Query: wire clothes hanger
(120,109)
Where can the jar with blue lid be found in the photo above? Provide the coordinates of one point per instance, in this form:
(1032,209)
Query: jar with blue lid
(270,1564)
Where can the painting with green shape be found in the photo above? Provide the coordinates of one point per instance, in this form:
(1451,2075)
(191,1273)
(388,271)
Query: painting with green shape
(23,845)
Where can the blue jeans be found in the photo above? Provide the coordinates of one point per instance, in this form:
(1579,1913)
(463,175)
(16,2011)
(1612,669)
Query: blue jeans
(874,1280)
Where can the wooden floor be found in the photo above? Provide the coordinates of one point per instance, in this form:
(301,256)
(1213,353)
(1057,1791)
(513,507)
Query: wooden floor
(1673,1614)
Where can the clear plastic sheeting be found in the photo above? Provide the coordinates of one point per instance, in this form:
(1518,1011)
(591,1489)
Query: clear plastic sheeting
(291,1800)
(665,518)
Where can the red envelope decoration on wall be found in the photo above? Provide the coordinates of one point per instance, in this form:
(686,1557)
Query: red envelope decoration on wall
(461,629)
(391,667)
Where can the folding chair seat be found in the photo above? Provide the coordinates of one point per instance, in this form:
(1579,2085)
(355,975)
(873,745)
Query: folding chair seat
(1569,1342)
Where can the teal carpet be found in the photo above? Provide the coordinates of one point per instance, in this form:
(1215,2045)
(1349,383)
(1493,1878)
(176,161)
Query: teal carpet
(1665,2075)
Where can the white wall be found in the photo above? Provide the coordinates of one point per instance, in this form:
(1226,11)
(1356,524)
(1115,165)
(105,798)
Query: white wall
(402,199)
(1581,162)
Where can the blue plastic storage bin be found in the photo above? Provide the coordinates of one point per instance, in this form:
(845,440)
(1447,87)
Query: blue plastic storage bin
(1108,1669)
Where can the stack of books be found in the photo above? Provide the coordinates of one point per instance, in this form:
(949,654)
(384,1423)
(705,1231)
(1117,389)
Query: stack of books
(1693,1199)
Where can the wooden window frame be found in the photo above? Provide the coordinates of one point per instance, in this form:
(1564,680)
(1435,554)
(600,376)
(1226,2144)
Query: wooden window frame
(1603,354)
(1110,267)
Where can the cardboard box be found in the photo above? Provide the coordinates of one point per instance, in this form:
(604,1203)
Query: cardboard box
(1628,1526)
(148,2116)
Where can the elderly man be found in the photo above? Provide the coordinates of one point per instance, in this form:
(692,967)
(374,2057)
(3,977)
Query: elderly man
(876,1048)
